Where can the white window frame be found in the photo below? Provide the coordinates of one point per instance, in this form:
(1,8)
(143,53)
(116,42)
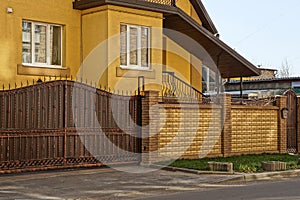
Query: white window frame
(139,53)
(32,44)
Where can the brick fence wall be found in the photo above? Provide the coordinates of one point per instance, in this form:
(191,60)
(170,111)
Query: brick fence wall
(254,129)
(189,130)
(198,130)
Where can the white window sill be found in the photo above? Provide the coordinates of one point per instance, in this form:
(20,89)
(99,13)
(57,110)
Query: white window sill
(43,66)
(34,70)
(134,73)
(147,69)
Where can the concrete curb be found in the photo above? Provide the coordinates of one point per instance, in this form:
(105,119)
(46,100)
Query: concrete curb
(268,175)
(191,171)
(239,176)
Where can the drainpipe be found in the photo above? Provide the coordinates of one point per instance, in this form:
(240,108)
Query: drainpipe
(81,47)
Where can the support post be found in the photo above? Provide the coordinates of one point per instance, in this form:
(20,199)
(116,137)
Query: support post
(281,102)
(298,126)
(227,127)
(241,87)
(150,127)
(217,78)
(141,85)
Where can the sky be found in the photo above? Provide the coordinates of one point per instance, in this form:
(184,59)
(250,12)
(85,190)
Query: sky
(266,32)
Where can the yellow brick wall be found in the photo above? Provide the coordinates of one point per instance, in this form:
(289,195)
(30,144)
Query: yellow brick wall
(192,131)
(173,131)
(184,129)
(254,130)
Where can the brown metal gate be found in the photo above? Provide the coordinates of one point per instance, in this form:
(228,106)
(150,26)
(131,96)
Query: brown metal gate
(292,122)
(63,124)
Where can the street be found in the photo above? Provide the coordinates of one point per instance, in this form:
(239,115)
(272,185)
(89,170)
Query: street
(285,189)
(105,183)
(102,183)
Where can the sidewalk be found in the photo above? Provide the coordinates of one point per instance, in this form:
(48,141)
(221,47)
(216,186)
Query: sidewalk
(102,184)
(105,183)
(238,176)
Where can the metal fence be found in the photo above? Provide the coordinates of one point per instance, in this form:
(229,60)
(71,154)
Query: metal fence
(254,102)
(63,124)
(175,89)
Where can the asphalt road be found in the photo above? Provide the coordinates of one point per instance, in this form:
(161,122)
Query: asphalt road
(94,184)
(285,189)
(99,183)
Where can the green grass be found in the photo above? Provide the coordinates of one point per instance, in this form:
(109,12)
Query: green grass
(244,163)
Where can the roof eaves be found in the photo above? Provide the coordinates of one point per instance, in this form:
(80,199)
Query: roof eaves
(220,43)
(268,69)
(145,5)
(204,16)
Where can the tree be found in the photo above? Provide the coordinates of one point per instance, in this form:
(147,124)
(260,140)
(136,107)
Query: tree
(285,70)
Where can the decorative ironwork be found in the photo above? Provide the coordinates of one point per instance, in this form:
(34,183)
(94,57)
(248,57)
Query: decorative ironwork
(175,89)
(254,102)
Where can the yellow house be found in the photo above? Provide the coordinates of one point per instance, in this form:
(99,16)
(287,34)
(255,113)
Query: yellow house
(113,42)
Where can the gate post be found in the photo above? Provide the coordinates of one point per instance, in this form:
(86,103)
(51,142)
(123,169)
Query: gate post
(150,124)
(298,121)
(226,136)
(281,102)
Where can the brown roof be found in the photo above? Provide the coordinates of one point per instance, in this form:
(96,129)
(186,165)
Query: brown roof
(204,16)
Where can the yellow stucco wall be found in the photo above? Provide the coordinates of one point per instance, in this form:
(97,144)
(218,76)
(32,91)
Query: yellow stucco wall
(175,59)
(53,11)
(94,33)
(82,32)
(128,78)
(178,60)
(186,66)
(101,33)
(196,73)
(187,7)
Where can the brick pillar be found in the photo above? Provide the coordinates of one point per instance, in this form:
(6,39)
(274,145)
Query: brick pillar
(225,101)
(281,102)
(298,122)
(150,126)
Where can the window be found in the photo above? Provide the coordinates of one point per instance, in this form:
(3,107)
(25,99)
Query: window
(134,47)
(41,44)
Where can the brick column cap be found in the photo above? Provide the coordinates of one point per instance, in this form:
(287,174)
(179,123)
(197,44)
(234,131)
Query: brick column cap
(151,93)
